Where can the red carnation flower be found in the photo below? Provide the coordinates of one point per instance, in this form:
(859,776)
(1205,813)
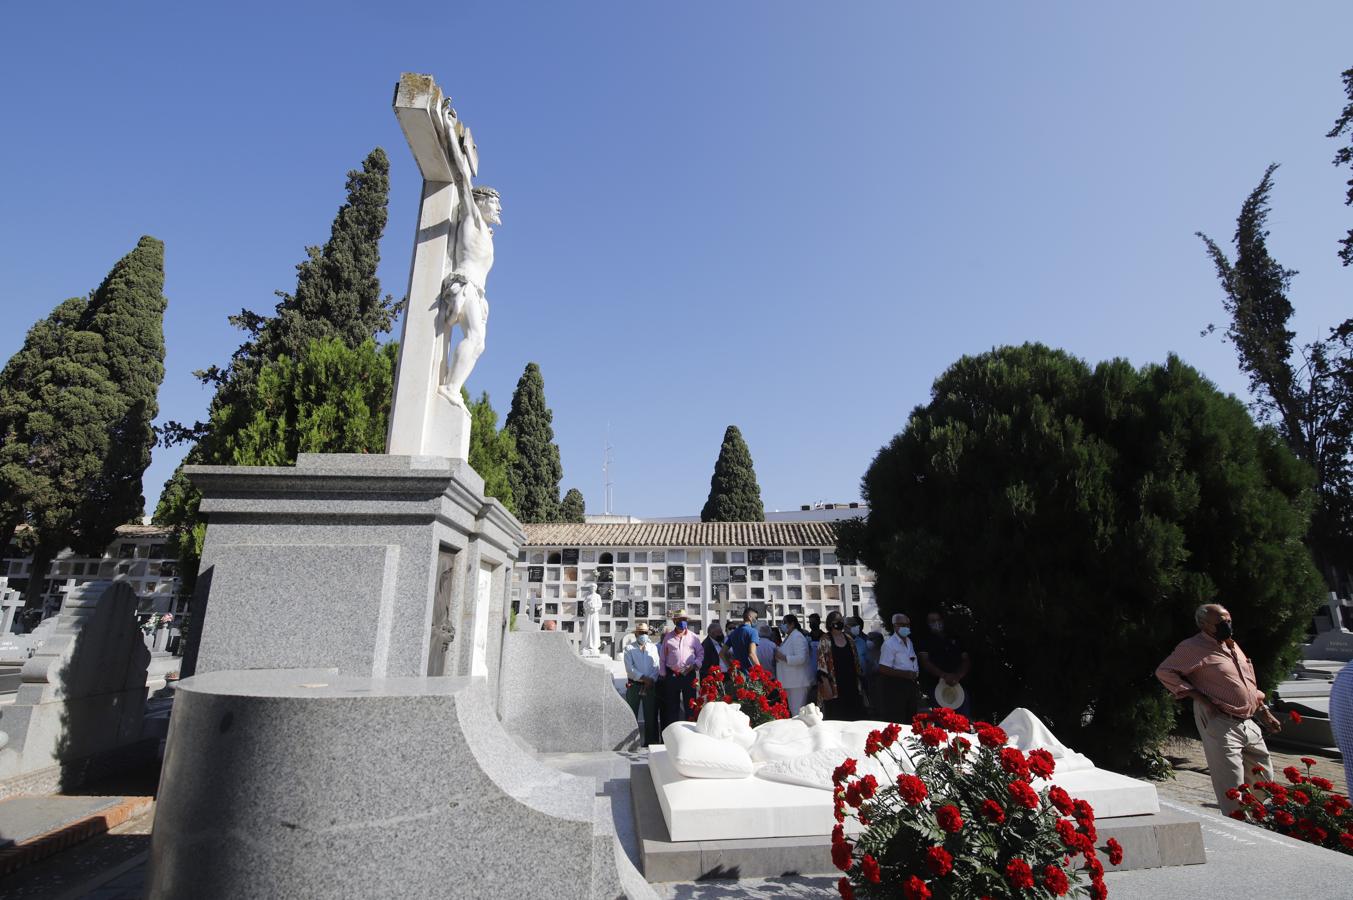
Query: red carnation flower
(1294,716)
(1284,818)
(957,747)
(1292,774)
(843,771)
(933,737)
(1023,794)
(1098,890)
(939,861)
(1347,839)
(873,743)
(911,789)
(1041,763)
(847,892)
(891,734)
(1301,798)
(992,812)
(1084,811)
(1093,865)
(1061,799)
(1323,783)
(1073,839)
(1018,873)
(1054,879)
(915,889)
(869,868)
(1115,852)
(1307,761)
(949,817)
(868,785)
(841,857)
(1013,761)
(989,735)
(1238,814)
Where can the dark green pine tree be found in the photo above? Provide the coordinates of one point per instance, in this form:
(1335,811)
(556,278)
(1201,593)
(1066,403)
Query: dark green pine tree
(573,509)
(1343,128)
(493,451)
(127,312)
(734,495)
(536,474)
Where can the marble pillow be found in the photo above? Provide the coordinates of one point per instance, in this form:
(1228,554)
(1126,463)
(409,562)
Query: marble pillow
(697,755)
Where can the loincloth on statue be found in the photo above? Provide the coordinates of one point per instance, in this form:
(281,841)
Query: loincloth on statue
(455,295)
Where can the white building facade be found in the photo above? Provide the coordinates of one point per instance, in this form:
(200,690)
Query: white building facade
(713,570)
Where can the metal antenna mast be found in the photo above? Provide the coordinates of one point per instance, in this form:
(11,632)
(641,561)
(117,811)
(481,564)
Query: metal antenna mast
(606,470)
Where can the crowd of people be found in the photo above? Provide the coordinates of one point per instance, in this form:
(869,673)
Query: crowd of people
(888,674)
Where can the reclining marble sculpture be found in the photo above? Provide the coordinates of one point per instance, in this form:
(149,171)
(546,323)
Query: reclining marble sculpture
(719,778)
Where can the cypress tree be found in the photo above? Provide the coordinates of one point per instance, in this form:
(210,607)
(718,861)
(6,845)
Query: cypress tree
(734,495)
(337,296)
(536,474)
(127,311)
(493,451)
(573,509)
(56,407)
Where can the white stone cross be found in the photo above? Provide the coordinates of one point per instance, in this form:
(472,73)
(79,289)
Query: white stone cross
(422,422)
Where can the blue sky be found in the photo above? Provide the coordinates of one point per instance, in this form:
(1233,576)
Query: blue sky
(787,216)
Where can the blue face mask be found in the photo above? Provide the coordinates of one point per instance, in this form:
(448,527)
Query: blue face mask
(643,639)
(681,625)
(904,631)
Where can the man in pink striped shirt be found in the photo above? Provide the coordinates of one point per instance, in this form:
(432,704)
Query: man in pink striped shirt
(1211,669)
(679,657)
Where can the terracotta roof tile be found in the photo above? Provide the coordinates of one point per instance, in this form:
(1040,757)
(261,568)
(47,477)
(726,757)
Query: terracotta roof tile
(684,534)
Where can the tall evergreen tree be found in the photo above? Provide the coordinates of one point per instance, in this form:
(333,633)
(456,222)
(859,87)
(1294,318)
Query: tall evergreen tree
(337,296)
(536,474)
(127,311)
(1343,128)
(573,509)
(57,404)
(493,451)
(76,405)
(1305,391)
(734,495)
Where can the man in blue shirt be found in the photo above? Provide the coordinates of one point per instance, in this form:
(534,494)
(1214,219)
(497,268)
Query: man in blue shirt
(741,643)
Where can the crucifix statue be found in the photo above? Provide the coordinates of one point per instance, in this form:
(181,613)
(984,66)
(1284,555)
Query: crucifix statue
(453,253)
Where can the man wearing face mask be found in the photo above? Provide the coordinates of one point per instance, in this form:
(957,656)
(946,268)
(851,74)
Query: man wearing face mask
(898,671)
(679,659)
(641,686)
(1228,707)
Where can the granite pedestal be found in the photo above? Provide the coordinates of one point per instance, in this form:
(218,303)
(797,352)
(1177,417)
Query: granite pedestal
(323,785)
(386,566)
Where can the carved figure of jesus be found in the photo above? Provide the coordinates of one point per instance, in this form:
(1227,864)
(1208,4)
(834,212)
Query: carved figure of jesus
(462,300)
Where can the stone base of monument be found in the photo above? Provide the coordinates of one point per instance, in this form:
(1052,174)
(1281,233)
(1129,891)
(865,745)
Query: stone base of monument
(289,783)
(559,702)
(1165,838)
(81,695)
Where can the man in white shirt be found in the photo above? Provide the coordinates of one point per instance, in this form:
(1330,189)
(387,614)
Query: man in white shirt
(898,671)
(796,666)
(641,685)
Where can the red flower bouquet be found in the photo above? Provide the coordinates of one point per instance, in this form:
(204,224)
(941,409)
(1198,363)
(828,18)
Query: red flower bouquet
(968,823)
(759,695)
(1306,808)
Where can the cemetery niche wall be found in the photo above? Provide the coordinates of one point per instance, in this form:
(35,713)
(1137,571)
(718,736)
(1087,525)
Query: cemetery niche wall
(280,775)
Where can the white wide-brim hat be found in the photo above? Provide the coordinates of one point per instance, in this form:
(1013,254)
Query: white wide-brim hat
(949,695)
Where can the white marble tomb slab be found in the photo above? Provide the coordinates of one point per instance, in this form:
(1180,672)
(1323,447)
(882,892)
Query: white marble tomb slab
(709,809)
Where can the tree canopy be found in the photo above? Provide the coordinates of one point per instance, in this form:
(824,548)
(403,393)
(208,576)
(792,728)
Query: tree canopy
(1070,519)
(493,451)
(734,495)
(536,473)
(573,509)
(76,406)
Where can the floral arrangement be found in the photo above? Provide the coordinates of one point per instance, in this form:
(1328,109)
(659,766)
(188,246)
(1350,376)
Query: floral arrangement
(759,695)
(1306,808)
(967,823)
(154,623)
